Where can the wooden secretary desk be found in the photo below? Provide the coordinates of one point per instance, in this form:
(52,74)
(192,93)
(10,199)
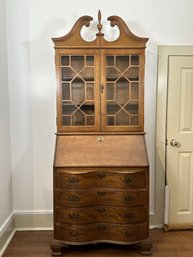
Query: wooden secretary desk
(101,174)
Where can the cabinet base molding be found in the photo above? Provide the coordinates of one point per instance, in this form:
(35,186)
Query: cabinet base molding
(146,247)
(58,247)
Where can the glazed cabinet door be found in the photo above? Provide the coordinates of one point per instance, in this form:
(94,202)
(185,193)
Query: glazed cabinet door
(123,89)
(78,91)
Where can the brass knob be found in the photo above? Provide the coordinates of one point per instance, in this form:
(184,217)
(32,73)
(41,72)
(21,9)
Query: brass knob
(174,142)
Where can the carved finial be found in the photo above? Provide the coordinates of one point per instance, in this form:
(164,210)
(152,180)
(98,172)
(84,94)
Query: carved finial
(99,26)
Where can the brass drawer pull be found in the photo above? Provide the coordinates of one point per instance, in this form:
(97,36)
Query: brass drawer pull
(101,227)
(101,210)
(101,175)
(130,234)
(129,180)
(74,217)
(74,235)
(73,181)
(129,198)
(99,193)
(129,215)
(73,198)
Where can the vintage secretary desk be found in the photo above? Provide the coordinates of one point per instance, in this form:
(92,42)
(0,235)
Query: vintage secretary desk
(101,174)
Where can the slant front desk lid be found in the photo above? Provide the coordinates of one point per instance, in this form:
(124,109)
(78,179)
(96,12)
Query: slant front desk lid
(100,151)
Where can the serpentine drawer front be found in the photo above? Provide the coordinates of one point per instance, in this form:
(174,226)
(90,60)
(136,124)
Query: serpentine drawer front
(81,179)
(90,197)
(101,232)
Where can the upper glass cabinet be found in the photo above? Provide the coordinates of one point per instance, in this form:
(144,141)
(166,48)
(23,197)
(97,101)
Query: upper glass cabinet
(100,84)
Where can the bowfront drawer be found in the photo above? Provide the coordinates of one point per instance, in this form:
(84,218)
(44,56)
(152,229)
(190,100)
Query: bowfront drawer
(101,232)
(120,179)
(101,214)
(82,198)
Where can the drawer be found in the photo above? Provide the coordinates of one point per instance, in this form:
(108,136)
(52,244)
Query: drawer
(96,214)
(101,233)
(120,179)
(90,197)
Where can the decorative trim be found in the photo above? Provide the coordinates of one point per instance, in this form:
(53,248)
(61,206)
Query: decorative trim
(126,38)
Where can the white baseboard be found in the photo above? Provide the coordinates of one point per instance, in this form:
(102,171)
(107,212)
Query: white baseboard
(7,231)
(22,221)
(34,220)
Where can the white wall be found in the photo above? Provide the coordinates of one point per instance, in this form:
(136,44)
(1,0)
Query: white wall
(6,204)
(31,25)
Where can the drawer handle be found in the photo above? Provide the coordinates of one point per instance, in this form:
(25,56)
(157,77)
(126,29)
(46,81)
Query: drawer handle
(101,227)
(73,198)
(129,215)
(130,234)
(73,181)
(74,217)
(101,210)
(101,175)
(99,193)
(74,235)
(130,198)
(130,180)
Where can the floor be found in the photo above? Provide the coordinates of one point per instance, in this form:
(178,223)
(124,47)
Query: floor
(166,244)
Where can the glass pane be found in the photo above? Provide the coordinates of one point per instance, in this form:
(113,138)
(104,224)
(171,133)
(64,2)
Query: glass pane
(110,91)
(90,120)
(87,74)
(134,90)
(67,74)
(132,73)
(66,121)
(135,60)
(122,91)
(122,62)
(89,60)
(88,108)
(112,108)
(112,74)
(110,60)
(132,108)
(122,118)
(110,120)
(65,91)
(134,120)
(65,61)
(78,119)
(77,63)
(89,91)
(78,91)
(68,109)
